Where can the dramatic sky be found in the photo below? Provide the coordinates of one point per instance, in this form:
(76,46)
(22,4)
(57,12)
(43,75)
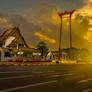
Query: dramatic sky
(39,20)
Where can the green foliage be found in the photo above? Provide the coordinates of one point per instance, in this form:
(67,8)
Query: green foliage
(42,48)
(78,53)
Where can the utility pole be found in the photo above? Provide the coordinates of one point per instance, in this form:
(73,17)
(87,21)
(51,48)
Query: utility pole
(60,35)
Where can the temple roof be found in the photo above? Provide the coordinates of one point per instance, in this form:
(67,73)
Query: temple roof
(13,32)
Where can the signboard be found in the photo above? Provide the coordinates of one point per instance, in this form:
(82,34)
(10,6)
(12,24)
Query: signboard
(19,59)
(35,59)
(37,54)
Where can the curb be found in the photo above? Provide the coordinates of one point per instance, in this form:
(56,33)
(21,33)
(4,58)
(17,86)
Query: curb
(26,64)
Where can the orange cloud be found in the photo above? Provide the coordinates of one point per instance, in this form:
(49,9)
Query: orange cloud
(55,18)
(86,10)
(90,29)
(4,23)
(43,37)
(3,20)
(88,36)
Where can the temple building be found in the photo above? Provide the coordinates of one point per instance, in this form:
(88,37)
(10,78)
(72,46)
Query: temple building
(12,38)
(13,44)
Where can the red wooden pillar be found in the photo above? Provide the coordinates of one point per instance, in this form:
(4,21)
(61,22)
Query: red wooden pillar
(60,37)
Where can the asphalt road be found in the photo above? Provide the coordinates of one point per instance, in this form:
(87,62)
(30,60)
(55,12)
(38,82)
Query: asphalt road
(52,78)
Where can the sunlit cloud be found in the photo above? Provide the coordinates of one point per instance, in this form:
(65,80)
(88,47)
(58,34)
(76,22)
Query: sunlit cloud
(85,14)
(55,18)
(90,22)
(44,13)
(86,10)
(46,21)
(88,36)
(90,29)
(46,29)
(4,23)
(45,38)
(46,17)
(3,20)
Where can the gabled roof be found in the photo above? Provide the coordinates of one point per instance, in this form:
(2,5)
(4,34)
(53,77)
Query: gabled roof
(11,32)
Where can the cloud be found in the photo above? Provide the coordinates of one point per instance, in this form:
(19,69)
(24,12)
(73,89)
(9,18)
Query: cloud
(4,23)
(45,16)
(45,38)
(44,22)
(90,22)
(90,29)
(86,10)
(44,12)
(86,14)
(3,20)
(88,36)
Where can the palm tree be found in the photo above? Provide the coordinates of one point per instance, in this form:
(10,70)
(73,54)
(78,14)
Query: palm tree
(42,48)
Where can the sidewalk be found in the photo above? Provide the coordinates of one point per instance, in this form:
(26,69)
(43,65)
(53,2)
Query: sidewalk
(36,63)
(26,63)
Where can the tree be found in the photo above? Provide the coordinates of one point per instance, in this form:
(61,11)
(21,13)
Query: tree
(84,53)
(42,48)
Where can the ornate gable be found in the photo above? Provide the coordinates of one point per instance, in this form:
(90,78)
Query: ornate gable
(12,38)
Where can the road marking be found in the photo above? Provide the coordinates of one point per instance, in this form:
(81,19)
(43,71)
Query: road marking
(14,72)
(52,76)
(45,72)
(16,77)
(68,74)
(27,86)
(74,77)
(27,71)
(38,72)
(83,81)
(50,71)
(87,90)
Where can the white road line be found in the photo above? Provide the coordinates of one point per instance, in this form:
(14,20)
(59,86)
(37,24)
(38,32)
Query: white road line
(46,72)
(38,72)
(52,76)
(69,74)
(14,72)
(25,71)
(50,71)
(27,86)
(87,90)
(16,77)
(58,75)
(74,77)
(83,81)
